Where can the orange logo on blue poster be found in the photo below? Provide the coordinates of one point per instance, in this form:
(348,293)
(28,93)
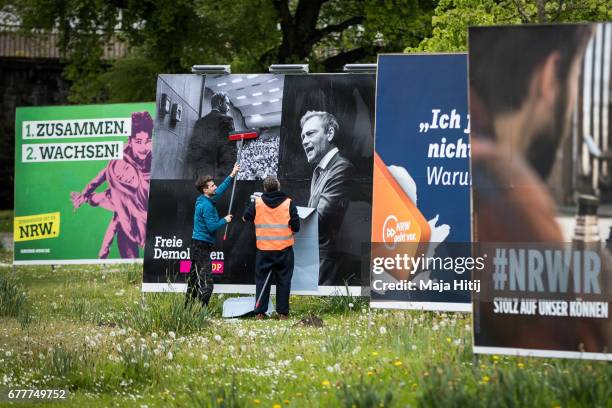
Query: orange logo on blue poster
(395,218)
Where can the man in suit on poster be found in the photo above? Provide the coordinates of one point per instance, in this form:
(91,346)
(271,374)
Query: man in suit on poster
(330,186)
(210,140)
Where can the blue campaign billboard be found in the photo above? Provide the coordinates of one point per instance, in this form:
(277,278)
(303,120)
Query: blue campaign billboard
(421,200)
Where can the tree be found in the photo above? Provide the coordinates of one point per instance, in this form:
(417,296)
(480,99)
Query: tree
(453,17)
(250,34)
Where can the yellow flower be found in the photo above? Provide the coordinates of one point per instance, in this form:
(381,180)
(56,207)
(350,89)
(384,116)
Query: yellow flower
(219,400)
(495,358)
(370,373)
(414,385)
(325,383)
(485,379)
(375,353)
(276,406)
(397,363)
(448,340)
(521,365)
(256,401)
(286,402)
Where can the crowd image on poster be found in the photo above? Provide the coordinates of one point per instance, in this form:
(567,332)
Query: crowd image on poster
(315,133)
(82,183)
(421,202)
(540,135)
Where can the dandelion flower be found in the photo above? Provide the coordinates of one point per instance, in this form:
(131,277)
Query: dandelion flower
(521,365)
(397,363)
(217,338)
(256,401)
(172,335)
(382,330)
(169,356)
(325,383)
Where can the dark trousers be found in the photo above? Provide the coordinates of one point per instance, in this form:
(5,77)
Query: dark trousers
(280,263)
(200,281)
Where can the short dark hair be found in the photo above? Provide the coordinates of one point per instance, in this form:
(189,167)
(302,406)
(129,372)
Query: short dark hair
(202,182)
(217,100)
(328,121)
(502,60)
(270,184)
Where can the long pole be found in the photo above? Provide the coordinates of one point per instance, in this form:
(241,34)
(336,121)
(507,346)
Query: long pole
(263,289)
(234,186)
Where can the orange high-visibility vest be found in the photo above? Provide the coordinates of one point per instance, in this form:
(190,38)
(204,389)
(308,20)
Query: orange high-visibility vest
(272,231)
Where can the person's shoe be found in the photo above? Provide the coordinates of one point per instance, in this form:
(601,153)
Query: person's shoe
(282,316)
(259,316)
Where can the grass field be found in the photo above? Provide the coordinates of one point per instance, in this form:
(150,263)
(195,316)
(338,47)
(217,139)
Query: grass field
(88,330)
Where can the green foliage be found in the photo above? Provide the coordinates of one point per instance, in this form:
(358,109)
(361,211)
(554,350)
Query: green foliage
(13,300)
(399,23)
(365,395)
(511,385)
(60,361)
(452,18)
(166,313)
(131,79)
(359,358)
(218,397)
(250,34)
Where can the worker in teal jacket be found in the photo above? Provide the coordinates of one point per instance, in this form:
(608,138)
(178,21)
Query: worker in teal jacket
(206,222)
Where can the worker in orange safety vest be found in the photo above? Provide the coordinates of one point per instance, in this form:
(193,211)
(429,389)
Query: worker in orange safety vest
(276,220)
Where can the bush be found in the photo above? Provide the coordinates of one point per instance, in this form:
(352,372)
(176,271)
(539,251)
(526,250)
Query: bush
(364,395)
(13,300)
(163,312)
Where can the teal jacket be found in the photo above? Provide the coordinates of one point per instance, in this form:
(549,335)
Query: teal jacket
(206,219)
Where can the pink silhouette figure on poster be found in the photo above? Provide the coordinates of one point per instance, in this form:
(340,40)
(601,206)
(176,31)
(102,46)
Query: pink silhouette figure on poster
(127,193)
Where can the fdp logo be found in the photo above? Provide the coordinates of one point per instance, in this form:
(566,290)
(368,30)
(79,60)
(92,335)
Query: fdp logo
(394,231)
(217,267)
(217,262)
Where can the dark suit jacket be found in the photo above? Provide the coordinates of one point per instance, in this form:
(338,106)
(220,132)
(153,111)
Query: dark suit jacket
(210,151)
(329,194)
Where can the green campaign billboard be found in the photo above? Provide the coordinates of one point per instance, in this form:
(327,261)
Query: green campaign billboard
(82,183)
